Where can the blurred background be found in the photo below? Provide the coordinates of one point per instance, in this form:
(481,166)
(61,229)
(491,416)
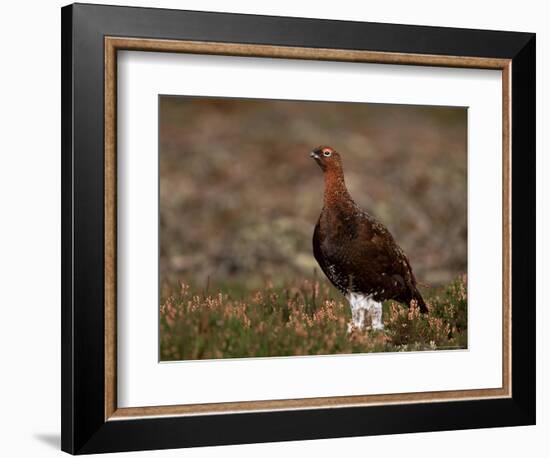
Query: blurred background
(240,196)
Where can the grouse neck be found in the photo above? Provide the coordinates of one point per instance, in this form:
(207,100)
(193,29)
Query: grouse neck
(336,192)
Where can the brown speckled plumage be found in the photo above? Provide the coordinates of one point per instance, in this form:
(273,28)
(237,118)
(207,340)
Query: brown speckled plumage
(355,251)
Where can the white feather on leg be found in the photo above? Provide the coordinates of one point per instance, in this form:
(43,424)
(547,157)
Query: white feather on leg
(363,306)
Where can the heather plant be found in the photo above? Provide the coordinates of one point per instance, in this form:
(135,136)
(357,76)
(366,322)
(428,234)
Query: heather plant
(443,328)
(301,318)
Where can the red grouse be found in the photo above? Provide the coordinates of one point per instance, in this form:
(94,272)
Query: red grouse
(356,252)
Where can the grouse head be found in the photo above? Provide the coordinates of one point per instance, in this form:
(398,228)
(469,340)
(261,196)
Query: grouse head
(327,158)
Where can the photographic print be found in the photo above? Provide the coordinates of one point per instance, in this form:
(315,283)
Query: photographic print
(310,228)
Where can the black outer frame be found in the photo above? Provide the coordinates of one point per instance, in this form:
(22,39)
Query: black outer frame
(84,429)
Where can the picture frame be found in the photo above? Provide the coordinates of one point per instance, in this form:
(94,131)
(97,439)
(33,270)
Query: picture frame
(92,35)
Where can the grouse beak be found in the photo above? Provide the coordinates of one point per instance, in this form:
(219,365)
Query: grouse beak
(314,155)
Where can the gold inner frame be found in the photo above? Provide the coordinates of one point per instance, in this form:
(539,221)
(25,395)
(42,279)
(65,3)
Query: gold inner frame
(114,44)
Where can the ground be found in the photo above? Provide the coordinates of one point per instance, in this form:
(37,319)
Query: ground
(305,318)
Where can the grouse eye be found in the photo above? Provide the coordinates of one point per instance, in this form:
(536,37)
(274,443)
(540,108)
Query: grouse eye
(326,153)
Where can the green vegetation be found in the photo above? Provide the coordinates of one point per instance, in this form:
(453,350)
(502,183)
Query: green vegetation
(303,318)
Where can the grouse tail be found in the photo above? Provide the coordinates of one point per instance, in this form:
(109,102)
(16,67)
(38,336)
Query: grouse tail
(420,301)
